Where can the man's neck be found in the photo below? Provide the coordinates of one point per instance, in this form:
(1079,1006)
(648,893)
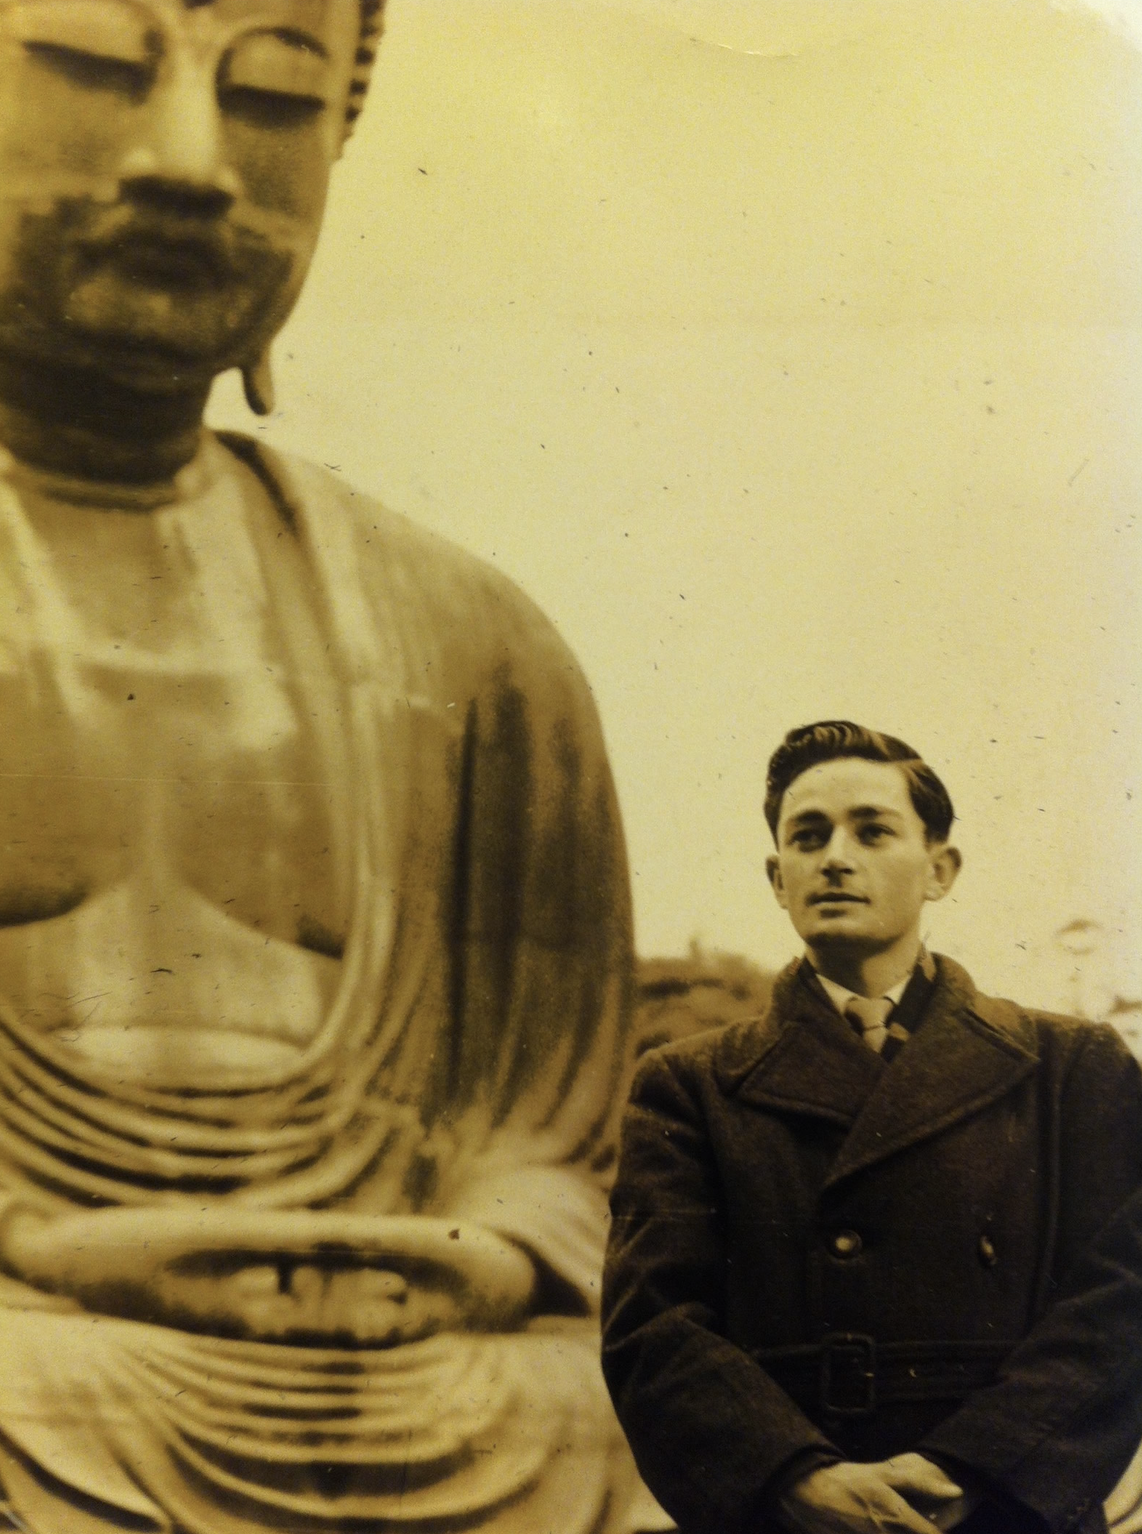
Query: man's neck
(867,974)
(84,425)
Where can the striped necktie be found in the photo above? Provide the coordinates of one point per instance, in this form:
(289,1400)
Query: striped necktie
(869,1017)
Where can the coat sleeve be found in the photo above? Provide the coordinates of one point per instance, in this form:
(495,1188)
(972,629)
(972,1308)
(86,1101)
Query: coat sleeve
(710,1430)
(1060,1425)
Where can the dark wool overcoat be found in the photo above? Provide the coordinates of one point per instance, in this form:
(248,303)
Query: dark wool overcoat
(815,1252)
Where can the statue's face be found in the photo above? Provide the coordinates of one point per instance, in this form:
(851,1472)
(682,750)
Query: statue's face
(163,170)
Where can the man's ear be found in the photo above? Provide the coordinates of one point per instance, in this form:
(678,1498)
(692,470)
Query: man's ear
(944,866)
(773,869)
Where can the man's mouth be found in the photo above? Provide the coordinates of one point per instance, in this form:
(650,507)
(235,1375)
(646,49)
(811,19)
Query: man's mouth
(837,897)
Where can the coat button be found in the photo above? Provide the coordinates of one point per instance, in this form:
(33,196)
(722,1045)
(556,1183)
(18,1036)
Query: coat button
(846,1243)
(987,1253)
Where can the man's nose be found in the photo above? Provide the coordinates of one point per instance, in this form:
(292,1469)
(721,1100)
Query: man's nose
(181,156)
(838,851)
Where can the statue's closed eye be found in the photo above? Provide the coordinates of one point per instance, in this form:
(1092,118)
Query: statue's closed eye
(99,30)
(280,61)
(280,76)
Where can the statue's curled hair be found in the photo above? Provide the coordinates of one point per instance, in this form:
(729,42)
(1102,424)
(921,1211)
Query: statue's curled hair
(372,24)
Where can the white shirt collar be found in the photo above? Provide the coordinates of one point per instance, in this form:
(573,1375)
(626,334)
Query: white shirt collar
(840,997)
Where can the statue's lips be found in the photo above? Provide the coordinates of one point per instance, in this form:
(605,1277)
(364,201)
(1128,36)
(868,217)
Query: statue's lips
(183,251)
(192,260)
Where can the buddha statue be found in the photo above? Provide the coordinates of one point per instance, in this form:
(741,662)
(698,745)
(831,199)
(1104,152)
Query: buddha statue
(314,927)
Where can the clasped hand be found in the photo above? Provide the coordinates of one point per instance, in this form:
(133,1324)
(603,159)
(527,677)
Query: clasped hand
(906,1493)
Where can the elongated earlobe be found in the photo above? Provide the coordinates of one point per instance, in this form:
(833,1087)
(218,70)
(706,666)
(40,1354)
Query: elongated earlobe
(258,382)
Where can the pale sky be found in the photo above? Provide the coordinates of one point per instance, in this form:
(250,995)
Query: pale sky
(788,353)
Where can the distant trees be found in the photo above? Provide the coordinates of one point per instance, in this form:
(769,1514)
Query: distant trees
(1094,990)
(707,989)
(689,995)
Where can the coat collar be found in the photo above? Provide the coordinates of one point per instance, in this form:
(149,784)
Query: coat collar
(802,1059)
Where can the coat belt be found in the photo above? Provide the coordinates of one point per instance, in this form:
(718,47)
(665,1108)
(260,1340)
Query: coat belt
(850,1374)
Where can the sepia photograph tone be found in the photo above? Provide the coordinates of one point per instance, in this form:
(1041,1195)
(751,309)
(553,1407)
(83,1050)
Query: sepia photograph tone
(569,740)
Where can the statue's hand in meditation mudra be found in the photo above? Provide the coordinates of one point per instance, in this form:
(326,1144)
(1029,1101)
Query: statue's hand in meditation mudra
(301,1276)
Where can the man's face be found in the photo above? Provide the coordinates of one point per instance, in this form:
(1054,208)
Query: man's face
(853,866)
(163,170)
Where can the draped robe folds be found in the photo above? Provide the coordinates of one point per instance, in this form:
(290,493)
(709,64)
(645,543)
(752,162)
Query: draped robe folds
(468,1065)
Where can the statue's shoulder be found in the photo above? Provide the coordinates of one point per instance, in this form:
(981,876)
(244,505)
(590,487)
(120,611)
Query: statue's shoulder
(471,607)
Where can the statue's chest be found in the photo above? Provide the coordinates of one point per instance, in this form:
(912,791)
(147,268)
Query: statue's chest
(166,813)
(216,775)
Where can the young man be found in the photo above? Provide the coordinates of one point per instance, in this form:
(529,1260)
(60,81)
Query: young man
(876,1259)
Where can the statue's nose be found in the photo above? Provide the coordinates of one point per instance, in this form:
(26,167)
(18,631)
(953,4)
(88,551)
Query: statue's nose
(182,146)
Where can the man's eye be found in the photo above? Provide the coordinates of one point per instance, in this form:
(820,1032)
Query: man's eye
(874,833)
(806,840)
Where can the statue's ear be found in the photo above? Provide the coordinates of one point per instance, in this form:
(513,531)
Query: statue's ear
(258,382)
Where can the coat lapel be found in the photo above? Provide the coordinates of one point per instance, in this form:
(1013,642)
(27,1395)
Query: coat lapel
(803,1058)
(962,1058)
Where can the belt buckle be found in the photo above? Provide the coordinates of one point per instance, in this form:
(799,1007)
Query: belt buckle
(848,1374)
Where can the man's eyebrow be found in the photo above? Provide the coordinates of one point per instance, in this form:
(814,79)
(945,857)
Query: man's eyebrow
(803,817)
(858,812)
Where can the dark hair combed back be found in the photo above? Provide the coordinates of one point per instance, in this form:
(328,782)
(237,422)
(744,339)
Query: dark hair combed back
(810,744)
